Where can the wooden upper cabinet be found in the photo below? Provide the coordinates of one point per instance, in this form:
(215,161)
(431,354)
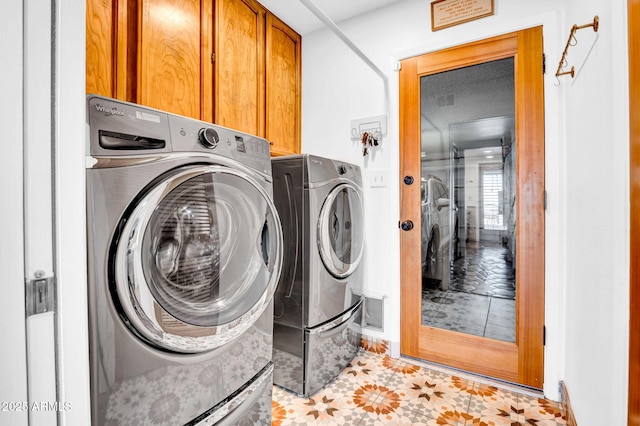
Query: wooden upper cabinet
(152,52)
(230,62)
(172,64)
(239,65)
(100,76)
(283,87)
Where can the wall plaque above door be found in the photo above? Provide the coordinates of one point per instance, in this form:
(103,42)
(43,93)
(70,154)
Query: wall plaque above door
(446,13)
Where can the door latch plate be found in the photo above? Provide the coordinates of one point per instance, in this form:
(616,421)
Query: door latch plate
(40,295)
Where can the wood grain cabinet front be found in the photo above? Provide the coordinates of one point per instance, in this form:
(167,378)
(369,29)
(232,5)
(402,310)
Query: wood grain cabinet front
(173,70)
(230,62)
(100,54)
(283,87)
(239,65)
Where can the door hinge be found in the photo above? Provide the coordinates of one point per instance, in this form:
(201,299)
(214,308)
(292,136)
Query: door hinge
(544,335)
(544,201)
(40,295)
(544,63)
(213,57)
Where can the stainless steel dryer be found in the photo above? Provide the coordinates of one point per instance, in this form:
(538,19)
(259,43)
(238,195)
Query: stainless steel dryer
(184,255)
(318,302)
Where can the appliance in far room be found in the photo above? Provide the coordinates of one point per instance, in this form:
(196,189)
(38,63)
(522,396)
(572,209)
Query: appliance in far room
(318,303)
(184,255)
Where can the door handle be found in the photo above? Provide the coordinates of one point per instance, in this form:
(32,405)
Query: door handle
(407,225)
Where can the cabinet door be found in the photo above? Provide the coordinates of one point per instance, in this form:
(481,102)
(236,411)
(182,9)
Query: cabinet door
(173,59)
(100,47)
(283,87)
(111,48)
(239,65)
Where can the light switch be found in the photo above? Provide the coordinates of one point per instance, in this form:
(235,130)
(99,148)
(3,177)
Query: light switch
(377,178)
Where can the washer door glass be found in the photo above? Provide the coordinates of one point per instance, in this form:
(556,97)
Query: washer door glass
(340,231)
(201,259)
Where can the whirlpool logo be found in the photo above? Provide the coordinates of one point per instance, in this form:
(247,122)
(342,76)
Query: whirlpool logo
(109,111)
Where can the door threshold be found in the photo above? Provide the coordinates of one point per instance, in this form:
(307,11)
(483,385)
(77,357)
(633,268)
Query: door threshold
(478,378)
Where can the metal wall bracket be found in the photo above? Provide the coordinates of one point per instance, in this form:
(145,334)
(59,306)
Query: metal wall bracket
(572,41)
(40,295)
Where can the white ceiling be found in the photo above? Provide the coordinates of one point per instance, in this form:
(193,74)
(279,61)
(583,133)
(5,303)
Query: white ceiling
(297,16)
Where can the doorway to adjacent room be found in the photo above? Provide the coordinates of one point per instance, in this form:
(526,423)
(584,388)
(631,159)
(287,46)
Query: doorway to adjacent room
(472,207)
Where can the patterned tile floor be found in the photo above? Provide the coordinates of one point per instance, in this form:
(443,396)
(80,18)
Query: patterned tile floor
(378,390)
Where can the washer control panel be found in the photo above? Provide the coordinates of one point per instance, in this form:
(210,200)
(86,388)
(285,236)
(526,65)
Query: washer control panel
(123,129)
(195,136)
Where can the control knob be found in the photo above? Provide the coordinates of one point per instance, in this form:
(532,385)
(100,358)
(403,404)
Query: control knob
(208,137)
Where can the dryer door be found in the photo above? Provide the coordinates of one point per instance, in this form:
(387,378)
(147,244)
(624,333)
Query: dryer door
(197,259)
(341,230)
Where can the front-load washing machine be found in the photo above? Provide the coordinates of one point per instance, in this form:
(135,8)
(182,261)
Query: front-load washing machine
(184,255)
(318,302)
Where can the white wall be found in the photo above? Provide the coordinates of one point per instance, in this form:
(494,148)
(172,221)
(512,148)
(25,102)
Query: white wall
(337,88)
(597,280)
(585,300)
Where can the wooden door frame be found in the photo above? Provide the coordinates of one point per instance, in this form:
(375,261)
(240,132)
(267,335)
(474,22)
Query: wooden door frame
(634,218)
(523,361)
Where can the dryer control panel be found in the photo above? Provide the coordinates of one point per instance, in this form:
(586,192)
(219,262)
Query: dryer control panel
(322,170)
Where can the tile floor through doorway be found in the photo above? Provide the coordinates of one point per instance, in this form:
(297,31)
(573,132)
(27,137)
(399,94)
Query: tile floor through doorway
(480,299)
(480,315)
(376,389)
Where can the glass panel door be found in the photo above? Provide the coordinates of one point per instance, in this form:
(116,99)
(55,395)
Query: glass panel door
(468,142)
(472,229)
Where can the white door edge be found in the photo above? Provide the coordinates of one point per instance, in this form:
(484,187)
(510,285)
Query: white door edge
(70,217)
(13,368)
(38,209)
